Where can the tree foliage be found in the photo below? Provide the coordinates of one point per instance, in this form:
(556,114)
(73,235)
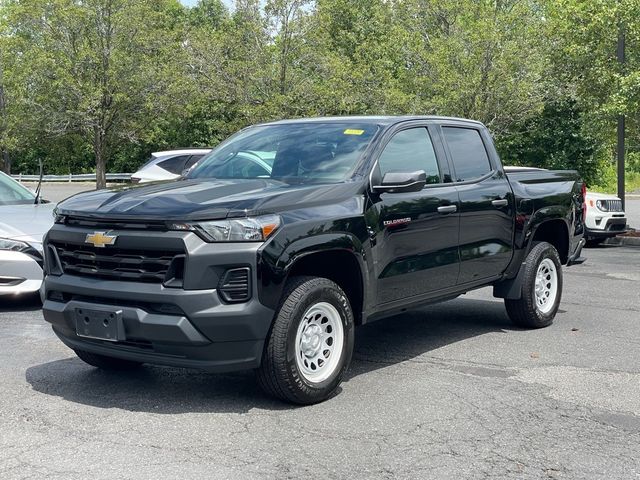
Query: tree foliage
(99,84)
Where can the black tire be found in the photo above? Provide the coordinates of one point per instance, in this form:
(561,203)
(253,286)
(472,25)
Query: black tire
(106,363)
(279,374)
(524,312)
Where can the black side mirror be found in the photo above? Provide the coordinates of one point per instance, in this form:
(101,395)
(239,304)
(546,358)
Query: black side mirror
(396,182)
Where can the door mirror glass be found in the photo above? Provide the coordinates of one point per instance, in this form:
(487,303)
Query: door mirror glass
(396,182)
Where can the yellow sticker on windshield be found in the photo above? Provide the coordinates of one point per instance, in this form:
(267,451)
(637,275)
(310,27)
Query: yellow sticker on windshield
(351,131)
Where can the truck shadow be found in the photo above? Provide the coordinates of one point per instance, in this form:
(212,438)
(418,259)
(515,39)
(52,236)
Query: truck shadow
(172,390)
(417,333)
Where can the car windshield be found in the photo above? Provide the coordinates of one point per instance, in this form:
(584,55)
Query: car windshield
(294,153)
(12,193)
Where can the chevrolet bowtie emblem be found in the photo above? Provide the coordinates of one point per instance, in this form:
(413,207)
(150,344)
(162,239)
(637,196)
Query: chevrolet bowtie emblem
(100,239)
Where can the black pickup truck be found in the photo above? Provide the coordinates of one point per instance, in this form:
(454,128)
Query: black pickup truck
(272,248)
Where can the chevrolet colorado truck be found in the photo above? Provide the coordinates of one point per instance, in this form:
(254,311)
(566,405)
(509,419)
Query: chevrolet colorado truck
(270,251)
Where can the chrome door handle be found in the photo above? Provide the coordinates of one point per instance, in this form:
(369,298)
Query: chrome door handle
(447,209)
(500,203)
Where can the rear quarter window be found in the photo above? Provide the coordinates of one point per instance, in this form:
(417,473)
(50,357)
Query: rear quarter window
(174,165)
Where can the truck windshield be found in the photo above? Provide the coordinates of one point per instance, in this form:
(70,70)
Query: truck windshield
(12,193)
(294,153)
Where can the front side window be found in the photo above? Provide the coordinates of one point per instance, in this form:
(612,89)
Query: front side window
(312,152)
(409,151)
(470,159)
(12,193)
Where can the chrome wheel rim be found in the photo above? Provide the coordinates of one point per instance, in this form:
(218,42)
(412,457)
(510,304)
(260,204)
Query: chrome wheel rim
(546,287)
(319,342)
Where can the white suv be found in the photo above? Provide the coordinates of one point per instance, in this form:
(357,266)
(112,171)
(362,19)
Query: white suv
(168,165)
(605,217)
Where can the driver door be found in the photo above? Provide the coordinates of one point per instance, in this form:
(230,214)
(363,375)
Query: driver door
(414,234)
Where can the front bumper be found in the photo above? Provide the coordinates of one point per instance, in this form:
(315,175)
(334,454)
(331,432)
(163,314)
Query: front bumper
(19,273)
(183,327)
(612,226)
(206,334)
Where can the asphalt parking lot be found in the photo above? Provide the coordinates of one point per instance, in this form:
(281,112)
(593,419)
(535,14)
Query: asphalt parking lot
(449,391)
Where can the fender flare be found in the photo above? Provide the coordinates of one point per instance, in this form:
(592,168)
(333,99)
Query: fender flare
(305,247)
(512,288)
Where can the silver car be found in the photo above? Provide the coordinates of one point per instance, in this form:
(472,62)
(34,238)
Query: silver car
(168,165)
(23,223)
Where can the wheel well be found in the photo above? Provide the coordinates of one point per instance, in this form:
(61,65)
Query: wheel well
(339,266)
(556,233)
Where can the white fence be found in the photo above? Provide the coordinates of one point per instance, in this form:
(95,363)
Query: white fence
(83,177)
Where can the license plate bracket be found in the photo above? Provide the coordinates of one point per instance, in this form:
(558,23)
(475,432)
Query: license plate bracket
(100,324)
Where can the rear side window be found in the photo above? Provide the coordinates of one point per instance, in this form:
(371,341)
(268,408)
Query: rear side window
(408,151)
(174,164)
(470,159)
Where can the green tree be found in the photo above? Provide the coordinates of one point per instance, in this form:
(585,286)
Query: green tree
(555,138)
(97,68)
(584,57)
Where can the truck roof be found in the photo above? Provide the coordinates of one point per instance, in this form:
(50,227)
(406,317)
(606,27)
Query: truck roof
(373,119)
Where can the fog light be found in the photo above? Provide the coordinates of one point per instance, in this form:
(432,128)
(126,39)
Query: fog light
(234,287)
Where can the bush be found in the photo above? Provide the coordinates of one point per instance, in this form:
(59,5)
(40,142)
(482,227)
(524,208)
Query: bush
(554,139)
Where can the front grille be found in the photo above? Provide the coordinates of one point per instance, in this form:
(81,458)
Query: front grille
(613,205)
(617,227)
(151,307)
(148,266)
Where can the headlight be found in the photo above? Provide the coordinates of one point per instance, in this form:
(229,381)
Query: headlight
(14,245)
(601,205)
(250,229)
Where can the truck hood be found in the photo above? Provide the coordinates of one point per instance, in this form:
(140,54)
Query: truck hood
(203,199)
(28,223)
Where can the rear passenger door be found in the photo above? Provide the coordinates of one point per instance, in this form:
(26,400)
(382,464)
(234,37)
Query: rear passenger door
(486,203)
(414,234)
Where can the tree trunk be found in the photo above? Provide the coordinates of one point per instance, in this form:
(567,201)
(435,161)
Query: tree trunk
(99,149)
(6,161)
(284,53)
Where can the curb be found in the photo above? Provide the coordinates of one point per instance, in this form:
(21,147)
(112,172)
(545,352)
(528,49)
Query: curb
(624,241)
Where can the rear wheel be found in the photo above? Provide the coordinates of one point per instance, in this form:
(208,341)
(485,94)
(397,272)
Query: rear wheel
(541,289)
(310,344)
(106,363)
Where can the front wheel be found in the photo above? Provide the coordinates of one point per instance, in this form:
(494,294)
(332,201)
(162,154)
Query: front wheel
(310,344)
(541,289)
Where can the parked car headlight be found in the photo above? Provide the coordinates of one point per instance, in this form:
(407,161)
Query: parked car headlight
(601,205)
(14,245)
(249,229)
